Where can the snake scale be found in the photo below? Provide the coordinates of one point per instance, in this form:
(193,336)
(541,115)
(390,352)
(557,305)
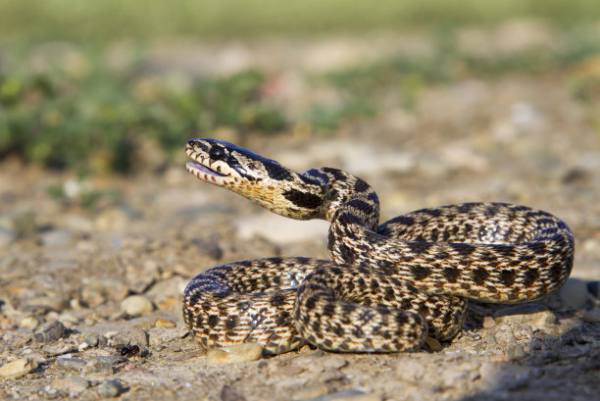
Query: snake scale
(387,286)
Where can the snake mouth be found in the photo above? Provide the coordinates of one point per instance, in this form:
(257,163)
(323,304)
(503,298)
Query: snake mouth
(200,167)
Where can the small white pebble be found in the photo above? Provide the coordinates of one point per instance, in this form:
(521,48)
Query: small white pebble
(136,305)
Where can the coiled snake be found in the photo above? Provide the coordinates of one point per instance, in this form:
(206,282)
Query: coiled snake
(388,286)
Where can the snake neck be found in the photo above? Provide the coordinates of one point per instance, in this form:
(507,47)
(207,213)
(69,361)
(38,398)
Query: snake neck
(325,193)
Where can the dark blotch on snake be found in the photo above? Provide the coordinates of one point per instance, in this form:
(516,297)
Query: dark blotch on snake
(462,249)
(507,277)
(360,185)
(451,274)
(213,320)
(276,171)
(480,275)
(361,205)
(531,276)
(419,246)
(303,199)
(420,272)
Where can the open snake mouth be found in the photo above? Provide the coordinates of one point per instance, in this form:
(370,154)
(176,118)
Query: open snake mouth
(201,168)
(198,168)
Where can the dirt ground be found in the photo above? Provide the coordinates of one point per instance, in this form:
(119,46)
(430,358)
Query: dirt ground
(521,139)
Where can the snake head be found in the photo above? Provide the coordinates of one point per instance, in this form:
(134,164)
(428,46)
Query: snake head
(219,162)
(255,177)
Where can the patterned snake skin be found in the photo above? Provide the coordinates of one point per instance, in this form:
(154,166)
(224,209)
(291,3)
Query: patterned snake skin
(388,286)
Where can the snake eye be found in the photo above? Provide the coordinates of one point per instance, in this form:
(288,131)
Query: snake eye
(217,153)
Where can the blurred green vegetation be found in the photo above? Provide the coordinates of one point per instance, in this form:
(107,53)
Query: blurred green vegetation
(106,20)
(447,63)
(84,114)
(96,120)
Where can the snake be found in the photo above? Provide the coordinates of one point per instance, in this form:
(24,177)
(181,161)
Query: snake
(387,287)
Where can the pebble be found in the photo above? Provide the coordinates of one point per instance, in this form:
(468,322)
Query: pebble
(129,336)
(574,293)
(29,322)
(73,385)
(51,332)
(111,388)
(48,303)
(106,364)
(165,324)
(136,305)
(235,353)
(591,316)
(537,319)
(90,340)
(60,348)
(71,363)
(18,368)
(56,238)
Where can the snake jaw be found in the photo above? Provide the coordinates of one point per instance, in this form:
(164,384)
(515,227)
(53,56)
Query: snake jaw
(216,172)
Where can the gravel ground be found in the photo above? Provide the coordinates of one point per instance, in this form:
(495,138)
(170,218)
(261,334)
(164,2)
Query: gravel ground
(90,301)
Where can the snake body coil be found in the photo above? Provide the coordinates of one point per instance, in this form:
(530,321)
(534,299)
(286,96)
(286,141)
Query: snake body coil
(388,286)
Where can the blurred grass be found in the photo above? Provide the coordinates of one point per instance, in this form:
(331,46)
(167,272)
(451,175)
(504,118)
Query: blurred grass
(96,121)
(107,20)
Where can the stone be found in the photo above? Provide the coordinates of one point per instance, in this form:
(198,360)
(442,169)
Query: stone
(532,315)
(73,385)
(51,332)
(29,322)
(591,316)
(235,353)
(574,293)
(56,238)
(111,388)
(71,363)
(47,303)
(59,348)
(165,324)
(136,305)
(90,340)
(130,336)
(17,368)
(104,364)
